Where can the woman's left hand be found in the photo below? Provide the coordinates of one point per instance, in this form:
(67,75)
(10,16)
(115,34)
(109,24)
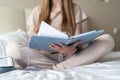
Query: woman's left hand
(63,49)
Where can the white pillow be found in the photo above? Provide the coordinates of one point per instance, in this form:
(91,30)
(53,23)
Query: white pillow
(19,36)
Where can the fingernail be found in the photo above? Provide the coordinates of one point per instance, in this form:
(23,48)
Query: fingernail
(52,45)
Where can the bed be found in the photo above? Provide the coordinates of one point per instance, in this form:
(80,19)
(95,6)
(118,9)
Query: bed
(107,68)
(98,71)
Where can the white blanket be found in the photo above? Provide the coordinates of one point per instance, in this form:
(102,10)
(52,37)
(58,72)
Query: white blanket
(97,71)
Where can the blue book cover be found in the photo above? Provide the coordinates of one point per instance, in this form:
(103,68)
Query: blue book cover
(6,69)
(6,64)
(47,35)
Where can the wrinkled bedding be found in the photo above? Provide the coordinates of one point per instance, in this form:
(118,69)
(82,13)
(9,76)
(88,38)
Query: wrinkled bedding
(98,71)
(108,67)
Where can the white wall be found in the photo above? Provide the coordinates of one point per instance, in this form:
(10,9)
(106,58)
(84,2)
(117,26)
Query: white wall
(101,15)
(19,3)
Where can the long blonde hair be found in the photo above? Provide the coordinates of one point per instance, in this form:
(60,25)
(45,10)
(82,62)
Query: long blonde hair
(68,17)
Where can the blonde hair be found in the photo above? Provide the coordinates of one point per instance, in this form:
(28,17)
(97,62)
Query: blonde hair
(68,17)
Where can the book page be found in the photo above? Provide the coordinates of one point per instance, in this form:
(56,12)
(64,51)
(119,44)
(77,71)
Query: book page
(48,30)
(6,62)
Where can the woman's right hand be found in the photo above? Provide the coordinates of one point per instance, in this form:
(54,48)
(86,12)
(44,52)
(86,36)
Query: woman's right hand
(65,50)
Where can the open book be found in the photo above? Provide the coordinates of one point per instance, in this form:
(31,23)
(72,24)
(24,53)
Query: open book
(6,62)
(48,34)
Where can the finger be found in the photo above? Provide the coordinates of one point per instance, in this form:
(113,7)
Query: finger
(51,45)
(54,47)
(61,45)
(76,43)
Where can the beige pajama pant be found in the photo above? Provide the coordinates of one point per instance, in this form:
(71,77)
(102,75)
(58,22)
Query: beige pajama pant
(98,48)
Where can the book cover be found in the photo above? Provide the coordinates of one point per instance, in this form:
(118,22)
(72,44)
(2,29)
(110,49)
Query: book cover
(6,69)
(48,34)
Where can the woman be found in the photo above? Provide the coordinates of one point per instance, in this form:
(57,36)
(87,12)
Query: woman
(66,17)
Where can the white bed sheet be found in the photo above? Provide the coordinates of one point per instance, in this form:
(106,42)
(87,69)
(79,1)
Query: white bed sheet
(97,71)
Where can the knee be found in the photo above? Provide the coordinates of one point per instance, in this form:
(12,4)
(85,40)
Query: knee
(14,50)
(108,39)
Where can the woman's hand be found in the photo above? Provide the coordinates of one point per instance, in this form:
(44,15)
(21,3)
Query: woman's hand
(65,50)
